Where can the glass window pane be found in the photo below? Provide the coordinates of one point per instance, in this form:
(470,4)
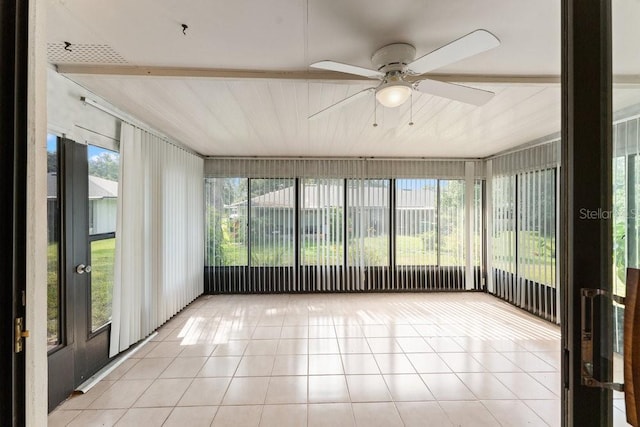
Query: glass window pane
(416,222)
(368,222)
(102,268)
(104,170)
(321,221)
(53,241)
(272,228)
(451,223)
(503,240)
(226,217)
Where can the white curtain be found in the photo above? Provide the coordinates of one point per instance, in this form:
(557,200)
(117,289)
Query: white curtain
(159,252)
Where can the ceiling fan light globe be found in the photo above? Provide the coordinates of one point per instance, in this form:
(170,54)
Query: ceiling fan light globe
(393,95)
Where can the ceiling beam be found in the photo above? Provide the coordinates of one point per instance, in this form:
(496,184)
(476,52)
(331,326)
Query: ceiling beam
(325,76)
(216,73)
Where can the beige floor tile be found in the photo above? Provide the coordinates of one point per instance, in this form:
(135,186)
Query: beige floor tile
(428,363)
(238,416)
(261,348)
(290,365)
(551,380)
(420,414)
(524,386)
(486,386)
(284,416)
(122,394)
(328,389)
(407,387)
(505,345)
(447,387)
(353,345)
(470,344)
(290,389)
(444,345)
(60,418)
(144,350)
(97,417)
(384,345)
(381,414)
(205,392)
(495,362)
(184,367)
(230,348)
(147,417)
(222,366)
(553,358)
(367,388)
(296,331)
(402,330)
(462,362)
(255,366)
(322,330)
(122,369)
(83,400)
(323,346)
(414,345)
(376,331)
(330,415)
(195,416)
(163,392)
(293,346)
(166,349)
(147,369)
(528,362)
(320,364)
(394,364)
(513,413)
(266,332)
(246,391)
(548,410)
(197,350)
(349,331)
(472,414)
(359,364)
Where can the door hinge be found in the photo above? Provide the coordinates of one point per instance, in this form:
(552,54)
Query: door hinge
(20,333)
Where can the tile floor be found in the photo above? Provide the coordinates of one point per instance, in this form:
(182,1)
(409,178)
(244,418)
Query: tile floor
(463,359)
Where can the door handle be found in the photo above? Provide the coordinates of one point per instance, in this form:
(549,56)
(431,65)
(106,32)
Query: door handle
(81,269)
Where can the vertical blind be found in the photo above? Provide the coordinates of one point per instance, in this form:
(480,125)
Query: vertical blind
(626,205)
(340,225)
(523,229)
(159,258)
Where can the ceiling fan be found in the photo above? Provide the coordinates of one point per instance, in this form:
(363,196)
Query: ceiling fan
(396,68)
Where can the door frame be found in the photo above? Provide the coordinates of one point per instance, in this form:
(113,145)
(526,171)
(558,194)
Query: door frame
(13,194)
(586,253)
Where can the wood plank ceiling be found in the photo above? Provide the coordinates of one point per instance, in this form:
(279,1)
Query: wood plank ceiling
(235,116)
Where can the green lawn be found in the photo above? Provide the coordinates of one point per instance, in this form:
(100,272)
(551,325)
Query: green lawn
(102,264)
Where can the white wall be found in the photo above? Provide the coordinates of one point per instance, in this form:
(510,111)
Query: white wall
(68,116)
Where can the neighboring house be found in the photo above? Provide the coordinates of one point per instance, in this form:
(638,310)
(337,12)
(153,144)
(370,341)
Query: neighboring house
(415,208)
(103,197)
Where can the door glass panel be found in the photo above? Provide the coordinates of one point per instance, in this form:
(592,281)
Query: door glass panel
(625,172)
(53,244)
(104,167)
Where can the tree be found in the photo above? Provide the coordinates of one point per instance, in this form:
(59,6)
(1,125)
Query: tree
(105,165)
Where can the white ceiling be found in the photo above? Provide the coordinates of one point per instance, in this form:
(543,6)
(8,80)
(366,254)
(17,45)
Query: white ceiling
(268,117)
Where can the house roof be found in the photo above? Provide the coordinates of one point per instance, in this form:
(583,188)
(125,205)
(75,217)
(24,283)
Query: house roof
(316,197)
(99,188)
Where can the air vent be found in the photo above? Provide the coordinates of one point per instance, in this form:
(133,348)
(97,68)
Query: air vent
(59,53)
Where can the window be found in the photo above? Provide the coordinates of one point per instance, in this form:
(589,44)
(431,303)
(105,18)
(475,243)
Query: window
(368,222)
(53,243)
(416,222)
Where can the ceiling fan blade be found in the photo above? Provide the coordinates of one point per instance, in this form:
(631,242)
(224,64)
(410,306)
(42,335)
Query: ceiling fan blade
(346,68)
(466,46)
(456,92)
(343,102)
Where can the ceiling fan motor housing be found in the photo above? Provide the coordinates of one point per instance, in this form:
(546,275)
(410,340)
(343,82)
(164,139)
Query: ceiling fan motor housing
(393,57)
